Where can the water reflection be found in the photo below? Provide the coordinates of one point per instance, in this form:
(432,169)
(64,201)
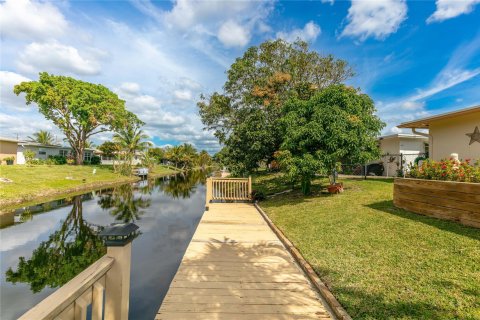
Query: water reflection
(122,203)
(45,245)
(68,251)
(182,185)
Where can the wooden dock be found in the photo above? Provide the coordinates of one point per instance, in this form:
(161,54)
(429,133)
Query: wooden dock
(236,268)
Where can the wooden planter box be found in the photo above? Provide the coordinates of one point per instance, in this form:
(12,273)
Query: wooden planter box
(457,201)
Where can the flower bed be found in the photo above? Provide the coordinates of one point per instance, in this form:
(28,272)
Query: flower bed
(447,170)
(458,201)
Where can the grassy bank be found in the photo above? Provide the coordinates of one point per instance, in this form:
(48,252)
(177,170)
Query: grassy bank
(38,182)
(380,262)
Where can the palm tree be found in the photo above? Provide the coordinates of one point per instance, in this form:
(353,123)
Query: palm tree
(43,137)
(89,144)
(131,140)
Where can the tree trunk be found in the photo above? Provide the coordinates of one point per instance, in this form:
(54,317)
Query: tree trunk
(79,157)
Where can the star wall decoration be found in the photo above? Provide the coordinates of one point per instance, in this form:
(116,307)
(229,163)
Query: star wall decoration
(474,136)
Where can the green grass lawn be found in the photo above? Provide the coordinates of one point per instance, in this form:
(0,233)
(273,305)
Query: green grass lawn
(381,262)
(32,182)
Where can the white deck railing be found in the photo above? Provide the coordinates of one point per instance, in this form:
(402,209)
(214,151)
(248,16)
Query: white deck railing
(234,189)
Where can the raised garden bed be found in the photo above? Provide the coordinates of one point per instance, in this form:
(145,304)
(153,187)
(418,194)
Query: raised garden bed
(457,201)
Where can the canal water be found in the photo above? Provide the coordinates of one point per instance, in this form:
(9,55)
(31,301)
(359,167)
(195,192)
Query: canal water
(43,246)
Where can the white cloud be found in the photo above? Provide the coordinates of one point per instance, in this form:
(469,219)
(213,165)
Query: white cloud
(130,87)
(183,94)
(412,105)
(447,9)
(377,19)
(232,34)
(25,19)
(231,22)
(55,57)
(396,130)
(309,33)
(8,99)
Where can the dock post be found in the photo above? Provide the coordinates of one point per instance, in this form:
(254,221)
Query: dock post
(209,185)
(250,187)
(117,279)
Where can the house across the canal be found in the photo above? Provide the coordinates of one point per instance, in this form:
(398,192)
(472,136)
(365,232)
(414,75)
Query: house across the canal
(43,151)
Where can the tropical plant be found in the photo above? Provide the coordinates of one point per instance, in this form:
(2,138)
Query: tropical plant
(204,159)
(109,148)
(43,137)
(338,124)
(89,144)
(80,109)
(130,141)
(157,153)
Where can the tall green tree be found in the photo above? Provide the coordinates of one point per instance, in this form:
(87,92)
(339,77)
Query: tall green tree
(204,159)
(43,137)
(109,148)
(244,117)
(338,124)
(131,139)
(80,109)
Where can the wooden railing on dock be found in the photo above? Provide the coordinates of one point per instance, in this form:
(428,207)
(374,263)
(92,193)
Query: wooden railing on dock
(104,285)
(232,189)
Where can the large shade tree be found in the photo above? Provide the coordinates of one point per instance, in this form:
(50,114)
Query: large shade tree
(338,124)
(80,109)
(244,117)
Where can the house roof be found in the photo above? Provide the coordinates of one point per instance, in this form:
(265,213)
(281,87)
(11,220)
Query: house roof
(55,146)
(8,139)
(425,122)
(403,135)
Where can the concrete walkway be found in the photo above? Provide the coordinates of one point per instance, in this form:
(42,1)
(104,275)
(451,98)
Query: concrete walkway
(236,268)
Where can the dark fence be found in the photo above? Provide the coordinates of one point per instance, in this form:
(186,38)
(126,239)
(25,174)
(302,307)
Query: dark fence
(389,165)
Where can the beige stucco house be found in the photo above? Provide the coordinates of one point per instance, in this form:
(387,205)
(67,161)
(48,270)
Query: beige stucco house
(452,132)
(8,148)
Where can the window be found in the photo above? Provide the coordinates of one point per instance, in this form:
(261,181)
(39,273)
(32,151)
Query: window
(63,153)
(42,153)
(87,156)
(427,149)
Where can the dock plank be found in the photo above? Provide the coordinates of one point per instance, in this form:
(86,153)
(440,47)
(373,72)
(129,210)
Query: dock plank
(235,267)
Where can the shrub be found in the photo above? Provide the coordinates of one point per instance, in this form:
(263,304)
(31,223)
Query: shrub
(258,195)
(29,155)
(58,160)
(447,170)
(95,160)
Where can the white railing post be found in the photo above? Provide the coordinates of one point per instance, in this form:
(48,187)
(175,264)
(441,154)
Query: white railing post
(118,239)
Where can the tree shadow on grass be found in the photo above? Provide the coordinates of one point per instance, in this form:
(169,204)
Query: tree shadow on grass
(446,225)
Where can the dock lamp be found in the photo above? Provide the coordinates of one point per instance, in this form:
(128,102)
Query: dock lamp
(119,234)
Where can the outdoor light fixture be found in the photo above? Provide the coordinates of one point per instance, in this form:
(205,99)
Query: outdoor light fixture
(118,234)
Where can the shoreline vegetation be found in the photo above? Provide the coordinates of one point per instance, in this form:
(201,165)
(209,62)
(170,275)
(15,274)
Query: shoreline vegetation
(31,184)
(379,261)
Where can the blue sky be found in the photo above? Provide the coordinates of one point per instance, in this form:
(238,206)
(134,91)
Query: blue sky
(414,58)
